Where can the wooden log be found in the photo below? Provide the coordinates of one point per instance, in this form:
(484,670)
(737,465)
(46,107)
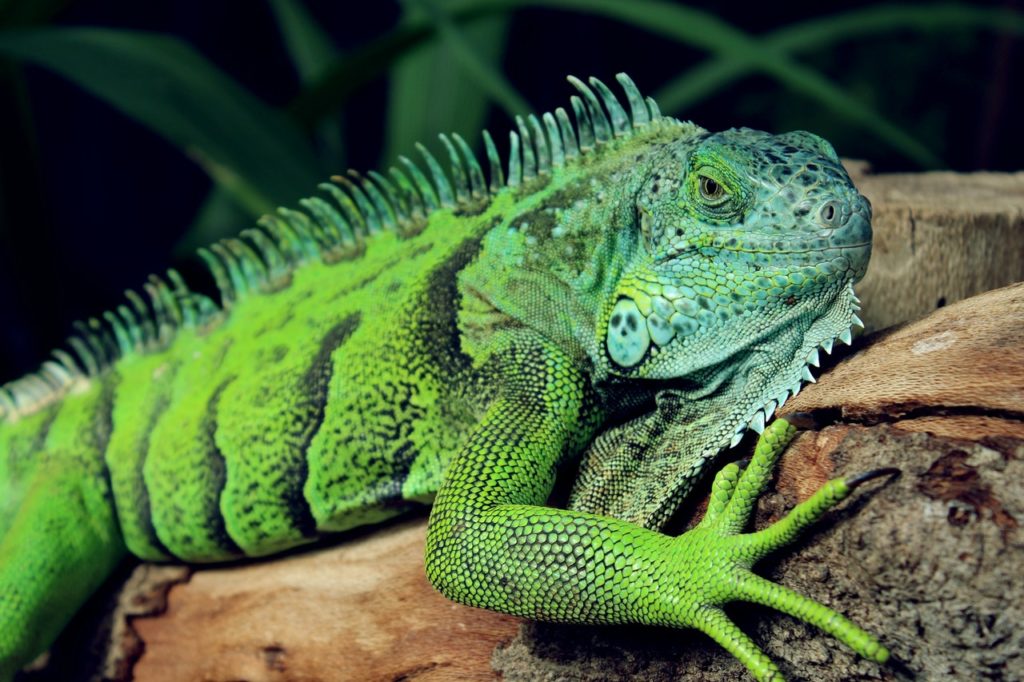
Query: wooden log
(360,611)
(940,237)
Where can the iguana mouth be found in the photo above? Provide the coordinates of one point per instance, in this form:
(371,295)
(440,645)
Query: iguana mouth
(759,250)
(841,247)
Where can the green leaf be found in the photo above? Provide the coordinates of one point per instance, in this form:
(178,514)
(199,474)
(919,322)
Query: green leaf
(715,74)
(312,53)
(218,217)
(253,152)
(705,31)
(684,24)
(480,68)
(425,99)
(330,92)
(310,48)
(874,21)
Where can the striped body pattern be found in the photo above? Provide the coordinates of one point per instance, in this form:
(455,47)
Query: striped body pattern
(412,332)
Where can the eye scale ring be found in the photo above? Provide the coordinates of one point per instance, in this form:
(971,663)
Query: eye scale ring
(710,190)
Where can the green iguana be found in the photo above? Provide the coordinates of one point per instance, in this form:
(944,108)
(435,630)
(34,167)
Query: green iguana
(423,333)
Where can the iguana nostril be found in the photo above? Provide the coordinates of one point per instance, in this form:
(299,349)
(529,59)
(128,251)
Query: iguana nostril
(830,213)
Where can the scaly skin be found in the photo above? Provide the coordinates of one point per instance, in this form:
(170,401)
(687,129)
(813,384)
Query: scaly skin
(636,298)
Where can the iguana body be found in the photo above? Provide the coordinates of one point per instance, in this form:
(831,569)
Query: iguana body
(410,331)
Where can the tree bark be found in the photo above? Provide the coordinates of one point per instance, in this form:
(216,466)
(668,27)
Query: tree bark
(939,238)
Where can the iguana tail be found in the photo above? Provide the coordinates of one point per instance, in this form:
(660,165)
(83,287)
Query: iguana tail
(59,538)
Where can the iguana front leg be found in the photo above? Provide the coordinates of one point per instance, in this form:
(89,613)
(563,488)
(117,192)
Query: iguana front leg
(490,543)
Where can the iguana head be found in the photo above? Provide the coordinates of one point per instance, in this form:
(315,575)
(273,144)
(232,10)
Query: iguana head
(749,242)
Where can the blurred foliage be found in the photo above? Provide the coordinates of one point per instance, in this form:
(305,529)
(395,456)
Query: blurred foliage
(880,81)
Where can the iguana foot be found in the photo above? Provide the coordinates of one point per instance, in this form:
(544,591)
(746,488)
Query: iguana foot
(713,560)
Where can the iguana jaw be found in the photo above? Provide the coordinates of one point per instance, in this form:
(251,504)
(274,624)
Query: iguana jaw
(773,247)
(682,330)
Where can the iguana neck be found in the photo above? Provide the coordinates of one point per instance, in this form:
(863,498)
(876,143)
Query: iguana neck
(556,256)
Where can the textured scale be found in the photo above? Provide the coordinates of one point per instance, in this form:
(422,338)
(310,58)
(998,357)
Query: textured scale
(428,332)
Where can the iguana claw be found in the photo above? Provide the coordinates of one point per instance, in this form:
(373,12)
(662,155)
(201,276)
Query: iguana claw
(858,480)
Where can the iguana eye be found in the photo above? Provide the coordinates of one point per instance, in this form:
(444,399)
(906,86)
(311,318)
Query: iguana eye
(712,192)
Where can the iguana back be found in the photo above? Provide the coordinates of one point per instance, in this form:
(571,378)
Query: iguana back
(317,397)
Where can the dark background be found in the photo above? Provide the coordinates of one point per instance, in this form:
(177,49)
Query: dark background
(92,200)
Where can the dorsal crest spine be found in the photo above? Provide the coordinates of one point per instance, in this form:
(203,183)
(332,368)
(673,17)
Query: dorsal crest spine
(334,228)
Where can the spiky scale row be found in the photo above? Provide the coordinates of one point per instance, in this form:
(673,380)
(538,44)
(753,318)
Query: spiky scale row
(494,162)
(333,228)
(762,415)
(572,149)
(515,170)
(529,161)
